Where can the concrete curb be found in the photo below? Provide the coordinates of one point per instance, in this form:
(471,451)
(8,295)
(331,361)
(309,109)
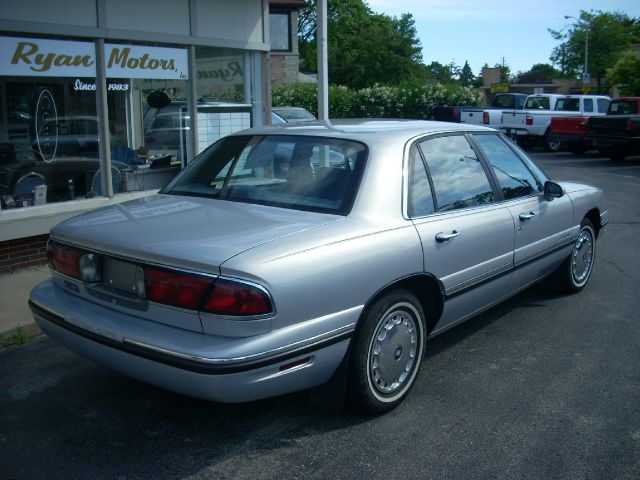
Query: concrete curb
(16,321)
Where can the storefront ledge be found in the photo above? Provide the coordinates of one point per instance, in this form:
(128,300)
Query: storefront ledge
(38,220)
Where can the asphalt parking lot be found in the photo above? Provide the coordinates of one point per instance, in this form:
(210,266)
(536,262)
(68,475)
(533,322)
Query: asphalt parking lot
(543,386)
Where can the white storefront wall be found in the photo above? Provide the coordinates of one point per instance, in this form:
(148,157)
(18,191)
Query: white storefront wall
(146,39)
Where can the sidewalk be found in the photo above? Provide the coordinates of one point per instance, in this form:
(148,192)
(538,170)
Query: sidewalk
(15,317)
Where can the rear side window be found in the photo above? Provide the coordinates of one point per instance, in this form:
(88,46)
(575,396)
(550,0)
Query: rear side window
(459,179)
(514,178)
(420,196)
(622,108)
(588,105)
(570,105)
(603,105)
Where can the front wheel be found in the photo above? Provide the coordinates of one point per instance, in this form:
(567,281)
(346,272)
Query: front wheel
(575,272)
(387,353)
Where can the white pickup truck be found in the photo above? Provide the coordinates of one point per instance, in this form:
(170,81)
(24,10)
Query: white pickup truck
(491,116)
(531,124)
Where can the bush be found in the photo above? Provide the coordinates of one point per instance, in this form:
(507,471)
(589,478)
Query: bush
(408,101)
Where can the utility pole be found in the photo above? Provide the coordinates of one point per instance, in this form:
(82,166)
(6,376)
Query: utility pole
(323,69)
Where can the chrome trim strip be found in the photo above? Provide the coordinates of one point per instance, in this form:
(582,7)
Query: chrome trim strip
(267,355)
(547,251)
(504,269)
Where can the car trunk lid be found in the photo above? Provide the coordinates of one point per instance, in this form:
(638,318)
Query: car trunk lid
(186,232)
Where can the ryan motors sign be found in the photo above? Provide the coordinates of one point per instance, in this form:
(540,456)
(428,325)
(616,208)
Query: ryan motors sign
(58,58)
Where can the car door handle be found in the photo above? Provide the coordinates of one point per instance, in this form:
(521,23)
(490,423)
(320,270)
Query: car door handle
(527,216)
(445,237)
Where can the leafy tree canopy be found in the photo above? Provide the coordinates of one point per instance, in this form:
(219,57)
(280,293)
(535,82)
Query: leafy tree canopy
(539,73)
(610,34)
(466,75)
(364,48)
(626,73)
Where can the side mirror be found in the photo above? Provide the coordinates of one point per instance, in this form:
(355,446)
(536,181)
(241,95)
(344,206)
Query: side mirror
(552,190)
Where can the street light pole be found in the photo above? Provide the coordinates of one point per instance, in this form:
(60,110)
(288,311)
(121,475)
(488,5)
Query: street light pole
(585,73)
(586,53)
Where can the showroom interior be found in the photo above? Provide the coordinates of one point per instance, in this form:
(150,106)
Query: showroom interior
(97,99)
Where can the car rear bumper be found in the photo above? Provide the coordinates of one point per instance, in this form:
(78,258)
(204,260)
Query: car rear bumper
(245,376)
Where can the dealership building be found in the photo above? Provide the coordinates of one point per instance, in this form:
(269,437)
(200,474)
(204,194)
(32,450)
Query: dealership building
(106,100)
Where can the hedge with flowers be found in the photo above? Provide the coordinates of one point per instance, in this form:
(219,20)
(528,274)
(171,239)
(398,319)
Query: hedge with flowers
(411,101)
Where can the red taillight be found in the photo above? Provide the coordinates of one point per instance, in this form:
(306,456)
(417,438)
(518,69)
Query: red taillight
(64,259)
(631,126)
(174,288)
(485,118)
(529,120)
(228,297)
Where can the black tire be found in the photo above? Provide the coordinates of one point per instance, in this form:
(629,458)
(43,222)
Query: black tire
(551,142)
(386,353)
(575,271)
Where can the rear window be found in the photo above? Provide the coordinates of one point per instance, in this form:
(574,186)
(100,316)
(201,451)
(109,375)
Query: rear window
(294,114)
(568,104)
(622,108)
(303,173)
(540,103)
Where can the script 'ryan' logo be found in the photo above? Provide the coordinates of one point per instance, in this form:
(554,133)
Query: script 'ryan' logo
(29,53)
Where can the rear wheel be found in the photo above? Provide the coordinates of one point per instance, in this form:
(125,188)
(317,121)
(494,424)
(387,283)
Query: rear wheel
(551,142)
(386,353)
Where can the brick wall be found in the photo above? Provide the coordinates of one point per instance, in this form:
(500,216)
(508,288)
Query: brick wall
(23,253)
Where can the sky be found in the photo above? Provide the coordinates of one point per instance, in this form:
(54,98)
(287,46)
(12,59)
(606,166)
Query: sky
(493,31)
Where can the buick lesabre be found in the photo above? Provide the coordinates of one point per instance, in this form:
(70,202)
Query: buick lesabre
(290,257)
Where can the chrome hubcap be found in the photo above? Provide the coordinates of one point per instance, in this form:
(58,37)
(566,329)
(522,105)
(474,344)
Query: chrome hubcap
(393,351)
(582,258)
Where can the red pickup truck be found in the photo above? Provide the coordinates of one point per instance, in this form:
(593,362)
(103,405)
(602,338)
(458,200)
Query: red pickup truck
(617,134)
(570,133)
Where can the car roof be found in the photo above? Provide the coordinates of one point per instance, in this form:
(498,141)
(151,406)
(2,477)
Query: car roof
(365,129)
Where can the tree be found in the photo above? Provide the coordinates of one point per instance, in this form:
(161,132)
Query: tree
(466,75)
(505,72)
(364,48)
(610,34)
(437,72)
(626,73)
(539,73)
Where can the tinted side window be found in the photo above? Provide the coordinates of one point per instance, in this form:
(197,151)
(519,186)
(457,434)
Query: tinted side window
(603,104)
(588,105)
(459,181)
(420,196)
(515,179)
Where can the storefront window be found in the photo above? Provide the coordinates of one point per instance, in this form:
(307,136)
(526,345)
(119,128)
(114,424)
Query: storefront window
(48,140)
(220,82)
(50,133)
(49,129)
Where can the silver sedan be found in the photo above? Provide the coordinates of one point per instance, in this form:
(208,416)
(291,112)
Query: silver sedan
(314,255)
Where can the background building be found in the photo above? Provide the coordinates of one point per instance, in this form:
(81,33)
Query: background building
(103,101)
